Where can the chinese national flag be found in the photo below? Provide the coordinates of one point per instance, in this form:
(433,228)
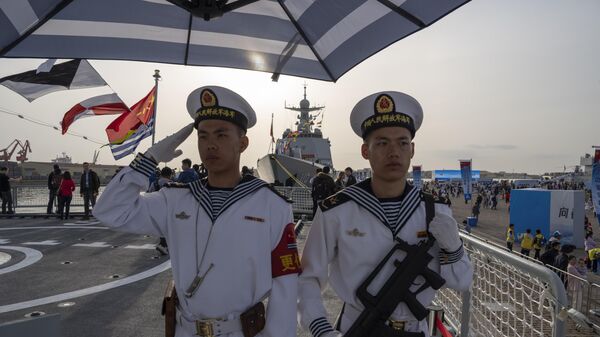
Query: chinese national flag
(127,123)
(144,109)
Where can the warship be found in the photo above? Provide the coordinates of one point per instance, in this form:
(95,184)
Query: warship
(294,158)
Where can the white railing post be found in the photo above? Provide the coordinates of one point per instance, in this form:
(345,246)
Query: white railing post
(466,313)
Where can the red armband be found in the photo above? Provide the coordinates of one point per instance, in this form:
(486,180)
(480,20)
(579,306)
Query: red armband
(284,258)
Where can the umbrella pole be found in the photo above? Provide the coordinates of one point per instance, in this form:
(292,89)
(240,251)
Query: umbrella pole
(156,78)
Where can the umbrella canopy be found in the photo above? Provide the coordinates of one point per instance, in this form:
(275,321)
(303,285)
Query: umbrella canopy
(320,39)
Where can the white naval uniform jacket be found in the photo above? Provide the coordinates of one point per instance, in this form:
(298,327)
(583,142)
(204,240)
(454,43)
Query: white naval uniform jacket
(349,237)
(243,237)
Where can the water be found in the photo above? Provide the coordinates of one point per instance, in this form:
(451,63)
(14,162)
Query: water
(34,199)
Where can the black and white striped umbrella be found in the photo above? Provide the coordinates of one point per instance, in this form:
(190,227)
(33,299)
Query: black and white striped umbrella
(320,39)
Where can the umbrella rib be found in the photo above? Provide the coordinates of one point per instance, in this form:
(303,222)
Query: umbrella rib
(308,43)
(30,31)
(237,4)
(187,45)
(284,57)
(403,13)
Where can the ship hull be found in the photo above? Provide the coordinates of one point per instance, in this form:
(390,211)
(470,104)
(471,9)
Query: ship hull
(279,167)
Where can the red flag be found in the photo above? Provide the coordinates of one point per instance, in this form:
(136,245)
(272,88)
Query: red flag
(109,104)
(125,125)
(145,107)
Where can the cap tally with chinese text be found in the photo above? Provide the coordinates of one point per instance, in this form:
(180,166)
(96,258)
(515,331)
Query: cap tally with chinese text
(386,109)
(213,102)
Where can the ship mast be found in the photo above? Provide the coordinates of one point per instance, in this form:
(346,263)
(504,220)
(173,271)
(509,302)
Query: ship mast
(305,118)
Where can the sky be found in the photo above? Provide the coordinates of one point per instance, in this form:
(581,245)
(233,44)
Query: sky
(514,85)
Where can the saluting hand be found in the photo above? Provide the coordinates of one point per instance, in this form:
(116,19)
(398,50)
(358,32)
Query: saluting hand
(165,150)
(444,229)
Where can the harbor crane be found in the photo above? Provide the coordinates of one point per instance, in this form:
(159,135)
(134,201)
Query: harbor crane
(6,153)
(22,154)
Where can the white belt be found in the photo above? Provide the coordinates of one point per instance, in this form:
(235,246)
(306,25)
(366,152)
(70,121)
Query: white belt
(351,314)
(212,327)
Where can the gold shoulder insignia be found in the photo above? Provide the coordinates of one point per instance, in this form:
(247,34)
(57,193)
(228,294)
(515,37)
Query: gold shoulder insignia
(332,200)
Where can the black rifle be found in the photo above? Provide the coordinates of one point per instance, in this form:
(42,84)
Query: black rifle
(372,322)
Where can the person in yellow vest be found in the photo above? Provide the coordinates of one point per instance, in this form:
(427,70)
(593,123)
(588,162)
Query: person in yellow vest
(538,242)
(594,256)
(510,237)
(526,242)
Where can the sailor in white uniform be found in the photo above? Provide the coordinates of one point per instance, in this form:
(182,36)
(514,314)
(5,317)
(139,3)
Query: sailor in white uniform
(354,229)
(231,238)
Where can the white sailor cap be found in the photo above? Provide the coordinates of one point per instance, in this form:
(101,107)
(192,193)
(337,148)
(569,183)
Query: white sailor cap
(213,102)
(385,109)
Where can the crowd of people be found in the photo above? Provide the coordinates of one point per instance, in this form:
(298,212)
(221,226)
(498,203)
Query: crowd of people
(570,265)
(61,187)
(571,268)
(189,173)
(323,186)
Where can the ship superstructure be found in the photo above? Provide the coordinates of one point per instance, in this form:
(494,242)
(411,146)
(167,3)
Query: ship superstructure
(299,152)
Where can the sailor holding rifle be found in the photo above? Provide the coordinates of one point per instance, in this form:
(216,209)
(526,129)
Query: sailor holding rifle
(382,244)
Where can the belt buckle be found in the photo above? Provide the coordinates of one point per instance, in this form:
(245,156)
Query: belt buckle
(396,325)
(205,328)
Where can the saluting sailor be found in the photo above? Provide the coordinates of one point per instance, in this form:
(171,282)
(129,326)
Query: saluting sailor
(354,229)
(231,238)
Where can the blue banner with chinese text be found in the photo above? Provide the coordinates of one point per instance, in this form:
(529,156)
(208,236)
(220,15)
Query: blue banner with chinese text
(465,170)
(596,183)
(417,177)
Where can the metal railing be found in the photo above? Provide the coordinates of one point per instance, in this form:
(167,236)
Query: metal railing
(583,295)
(510,296)
(300,196)
(37,196)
